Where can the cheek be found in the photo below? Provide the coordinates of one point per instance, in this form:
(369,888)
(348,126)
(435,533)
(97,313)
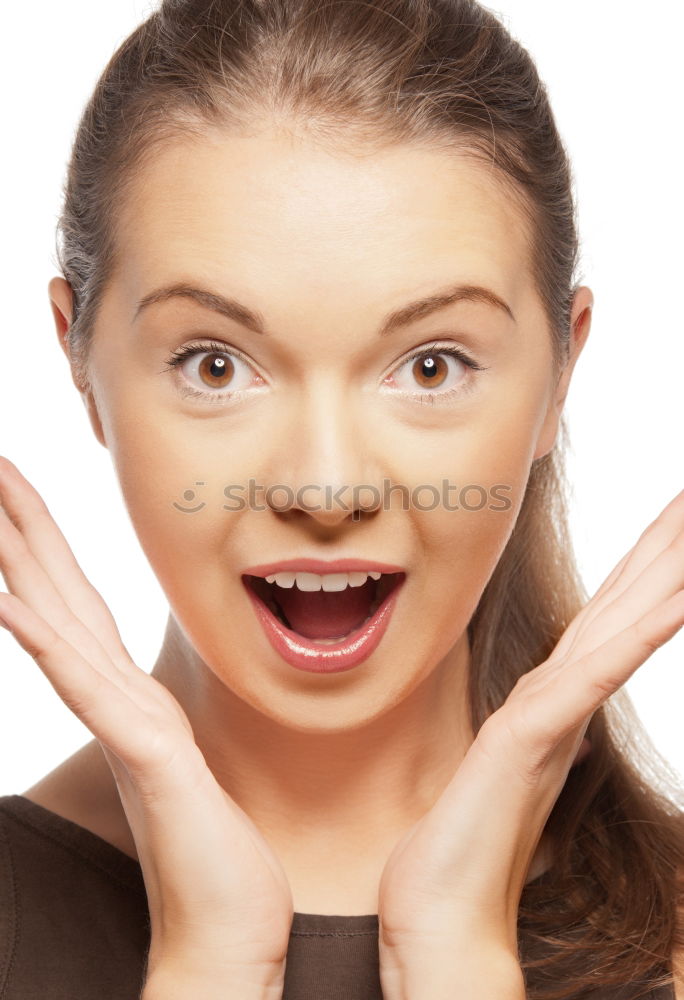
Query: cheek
(463,542)
(480,464)
(174,500)
(462,548)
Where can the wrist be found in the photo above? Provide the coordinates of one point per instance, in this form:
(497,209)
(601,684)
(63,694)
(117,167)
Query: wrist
(452,974)
(178,979)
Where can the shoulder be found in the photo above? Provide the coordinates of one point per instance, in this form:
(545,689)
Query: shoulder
(73,914)
(42,848)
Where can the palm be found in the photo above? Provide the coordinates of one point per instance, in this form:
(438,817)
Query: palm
(182,821)
(471,851)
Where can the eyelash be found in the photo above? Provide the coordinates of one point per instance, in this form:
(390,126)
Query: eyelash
(214,347)
(456,352)
(189,351)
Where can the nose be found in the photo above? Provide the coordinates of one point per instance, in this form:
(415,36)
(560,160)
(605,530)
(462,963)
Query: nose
(331,470)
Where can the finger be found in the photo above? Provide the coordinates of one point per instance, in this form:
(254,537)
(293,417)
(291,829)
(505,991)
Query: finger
(556,709)
(31,585)
(659,534)
(566,642)
(27,511)
(96,699)
(29,581)
(657,583)
(653,540)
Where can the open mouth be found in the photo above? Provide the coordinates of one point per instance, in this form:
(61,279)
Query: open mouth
(325,616)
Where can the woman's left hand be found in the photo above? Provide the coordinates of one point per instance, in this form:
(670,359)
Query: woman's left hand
(452,885)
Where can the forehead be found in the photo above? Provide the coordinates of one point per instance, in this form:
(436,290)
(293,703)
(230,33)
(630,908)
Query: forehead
(227,207)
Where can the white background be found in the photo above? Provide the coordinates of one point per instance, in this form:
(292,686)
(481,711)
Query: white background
(615,87)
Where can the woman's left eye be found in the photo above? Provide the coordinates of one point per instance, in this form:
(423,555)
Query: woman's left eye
(428,369)
(214,373)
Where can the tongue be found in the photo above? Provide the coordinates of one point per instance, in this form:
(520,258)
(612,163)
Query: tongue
(322,614)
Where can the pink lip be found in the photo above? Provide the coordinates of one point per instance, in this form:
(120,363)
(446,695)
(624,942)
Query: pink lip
(321,567)
(304,654)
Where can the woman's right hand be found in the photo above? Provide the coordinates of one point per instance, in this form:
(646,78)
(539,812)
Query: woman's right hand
(219,900)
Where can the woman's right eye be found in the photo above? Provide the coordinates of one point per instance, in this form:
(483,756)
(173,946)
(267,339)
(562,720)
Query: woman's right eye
(213,372)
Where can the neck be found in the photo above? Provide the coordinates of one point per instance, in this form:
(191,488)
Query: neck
(331,802)
(378,775)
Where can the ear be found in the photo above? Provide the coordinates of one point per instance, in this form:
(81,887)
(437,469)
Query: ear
(580,322)
(62,305)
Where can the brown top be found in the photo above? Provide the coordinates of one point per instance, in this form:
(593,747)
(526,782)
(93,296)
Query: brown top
(74,923)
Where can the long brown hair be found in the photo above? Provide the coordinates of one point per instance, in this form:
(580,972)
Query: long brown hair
(446,74)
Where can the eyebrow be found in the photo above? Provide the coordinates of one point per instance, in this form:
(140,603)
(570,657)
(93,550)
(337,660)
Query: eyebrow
(253,320)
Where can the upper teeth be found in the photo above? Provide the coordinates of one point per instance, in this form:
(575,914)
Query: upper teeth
(331,581)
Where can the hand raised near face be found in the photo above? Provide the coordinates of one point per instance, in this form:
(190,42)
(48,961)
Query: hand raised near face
(453,882)
(218,896)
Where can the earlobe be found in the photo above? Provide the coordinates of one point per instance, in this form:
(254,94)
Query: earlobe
(549,431)
(580,323)
(62,305)
(94,417)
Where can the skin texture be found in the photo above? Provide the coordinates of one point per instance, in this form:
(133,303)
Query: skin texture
(330,768)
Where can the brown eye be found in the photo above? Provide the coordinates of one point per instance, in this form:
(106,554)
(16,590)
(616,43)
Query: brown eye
(430,370)
(216,370)
(212,372)
(429,374)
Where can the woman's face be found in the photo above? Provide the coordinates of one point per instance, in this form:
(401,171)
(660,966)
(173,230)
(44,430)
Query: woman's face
(323,248)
